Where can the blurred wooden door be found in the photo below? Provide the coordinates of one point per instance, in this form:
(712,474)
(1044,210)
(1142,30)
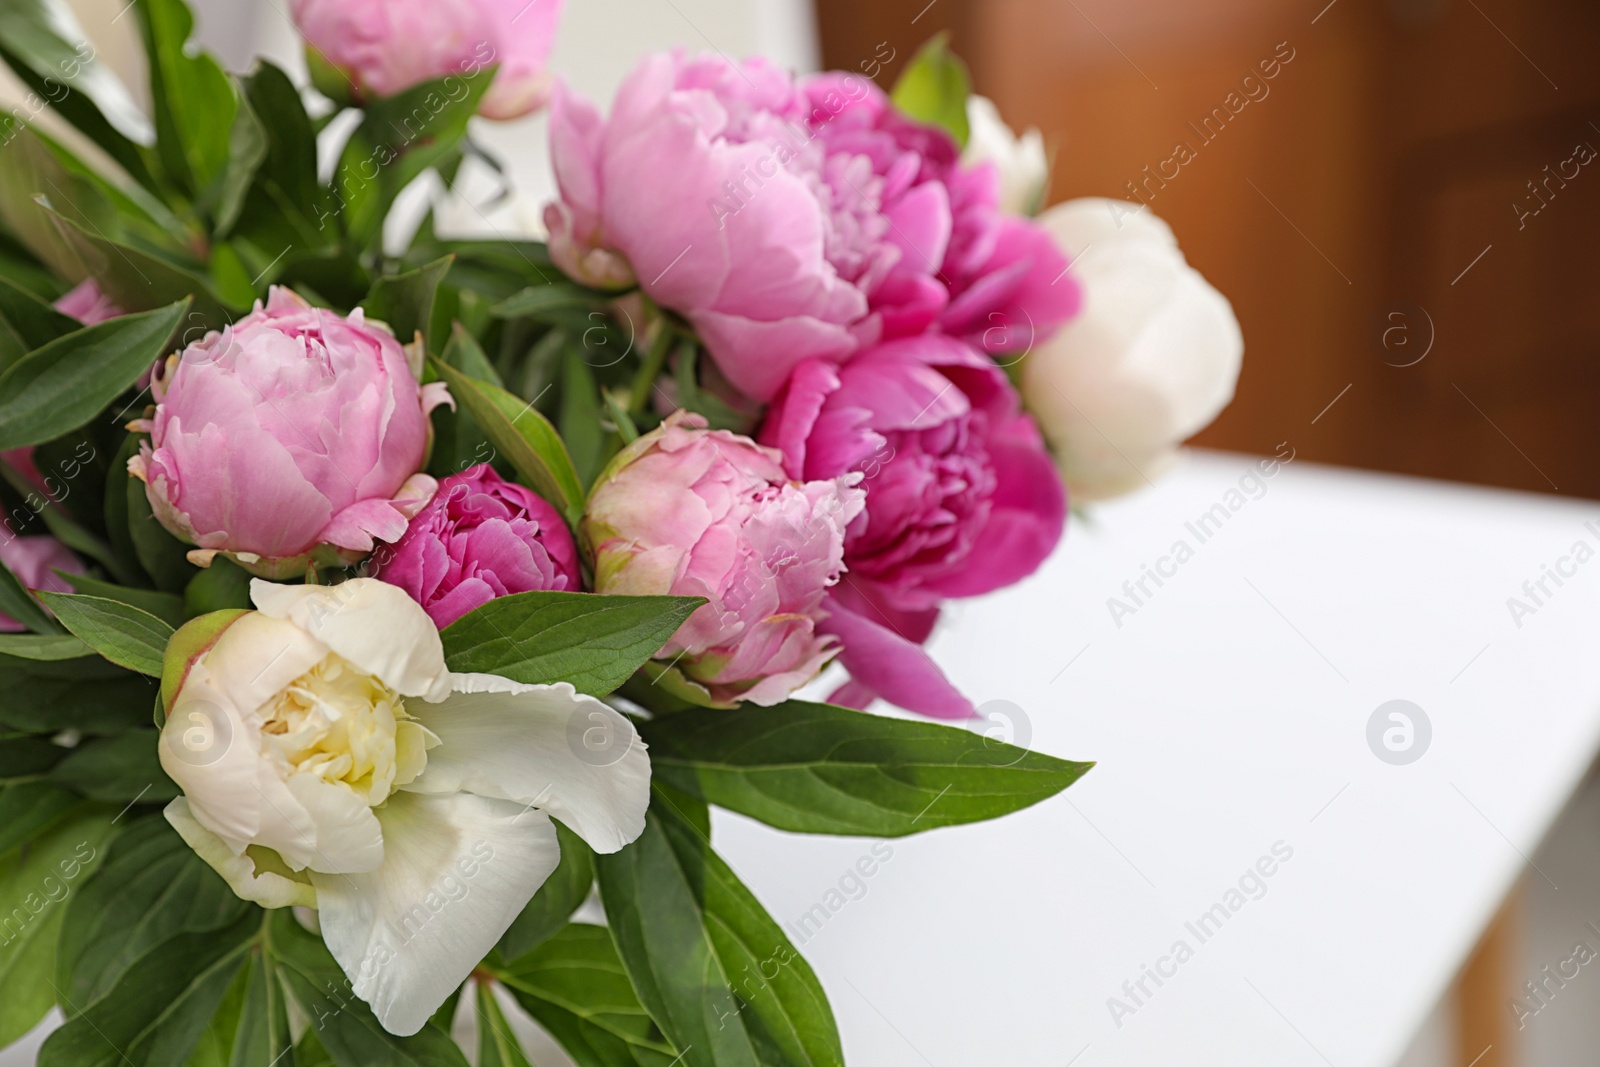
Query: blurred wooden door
(1403,213)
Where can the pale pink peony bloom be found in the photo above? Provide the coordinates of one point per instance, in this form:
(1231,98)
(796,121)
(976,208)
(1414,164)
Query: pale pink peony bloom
(34,561)
(791,220)
(482,537)
(295,434)
(688,511)
(386,46)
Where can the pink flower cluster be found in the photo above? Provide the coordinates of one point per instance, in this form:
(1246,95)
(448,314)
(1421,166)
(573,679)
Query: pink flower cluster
(841,265)
(793,219)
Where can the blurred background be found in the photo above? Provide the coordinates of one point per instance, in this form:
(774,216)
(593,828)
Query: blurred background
(1395,194)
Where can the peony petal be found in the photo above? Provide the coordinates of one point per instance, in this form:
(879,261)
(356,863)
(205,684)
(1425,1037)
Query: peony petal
(893,667)
(542,746)
(265,887)
(456,871)
(372,624)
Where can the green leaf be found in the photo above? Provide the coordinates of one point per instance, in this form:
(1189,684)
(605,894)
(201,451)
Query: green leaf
(49,648)
(247,150)
(17,602)
(497,1045)
(35,321)
(814,768)
(151,889)
(713,968)
(467,356)
(343,1024)
(43,42)
(556,900)
(119,769)
(34,886)
(28,757)
(122,634)
(399,138)
(935,87)
(158,1012)
(194,100)
(405,301)
(28,808)
(167,607)
(594,642)
(554,303)
(139,281)
(215,1047)
(68,382)
(89,695)
(257,1034)
(523,436)
(287,177)
(577,989)
(580,417)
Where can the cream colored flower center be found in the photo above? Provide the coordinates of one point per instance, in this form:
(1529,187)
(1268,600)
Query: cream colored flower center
(343,725)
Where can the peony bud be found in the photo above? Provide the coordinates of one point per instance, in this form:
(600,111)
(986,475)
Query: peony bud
(34,561)
(382,47)
(688,511)
(294,435)
(86,303)
(481,537)
(1021,162)
(1150,361)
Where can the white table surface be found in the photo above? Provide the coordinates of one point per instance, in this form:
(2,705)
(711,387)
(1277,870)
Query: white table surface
(1228,714)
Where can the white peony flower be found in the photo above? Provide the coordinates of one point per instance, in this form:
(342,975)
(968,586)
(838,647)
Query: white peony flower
(1151,359)
(1024,168)
(328,758)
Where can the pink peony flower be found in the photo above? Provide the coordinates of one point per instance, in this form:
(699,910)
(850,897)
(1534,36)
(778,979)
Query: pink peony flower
(386,46)
(34,560)
(962,499)
(294,434)
(481,537)
(692,512)
(86,303)
(793,220)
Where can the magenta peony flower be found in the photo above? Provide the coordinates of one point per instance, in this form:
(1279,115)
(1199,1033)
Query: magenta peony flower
(86,303)
(693,512)
(34,560)
(796,220)
(386,46)
(481,537)
(962,498)
(294,434)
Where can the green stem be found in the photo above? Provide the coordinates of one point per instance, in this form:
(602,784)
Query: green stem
(650,369)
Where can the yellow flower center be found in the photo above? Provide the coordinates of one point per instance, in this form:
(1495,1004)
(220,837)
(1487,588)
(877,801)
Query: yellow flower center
(343,725)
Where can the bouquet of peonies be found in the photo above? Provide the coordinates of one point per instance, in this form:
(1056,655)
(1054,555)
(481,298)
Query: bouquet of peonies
(372,598)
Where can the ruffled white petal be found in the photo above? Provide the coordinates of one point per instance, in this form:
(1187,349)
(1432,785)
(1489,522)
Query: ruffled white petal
(372,624)
(268,888)
(239,793)
(456,871)
(541,745)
